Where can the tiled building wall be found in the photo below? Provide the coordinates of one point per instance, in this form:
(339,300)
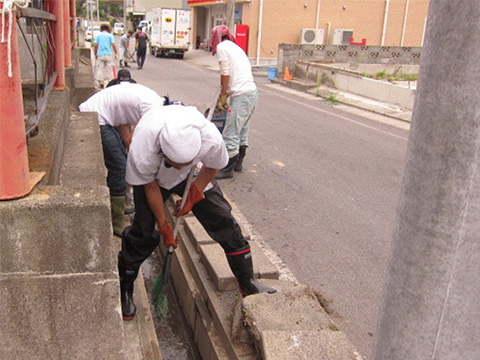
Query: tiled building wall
(283,20)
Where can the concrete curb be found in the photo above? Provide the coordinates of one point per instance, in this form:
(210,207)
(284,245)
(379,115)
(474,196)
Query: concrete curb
(357,101)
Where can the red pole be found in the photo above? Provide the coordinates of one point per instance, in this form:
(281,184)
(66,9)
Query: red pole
(59,37)
(66,33)
(14,174)
(73,23)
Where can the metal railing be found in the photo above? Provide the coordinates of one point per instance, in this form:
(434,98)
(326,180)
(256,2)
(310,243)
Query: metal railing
(38,73)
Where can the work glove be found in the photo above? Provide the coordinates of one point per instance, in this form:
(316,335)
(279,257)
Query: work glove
(222,104)
(167,235)
(193,197)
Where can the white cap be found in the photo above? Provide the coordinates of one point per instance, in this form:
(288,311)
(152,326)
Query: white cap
(180,139)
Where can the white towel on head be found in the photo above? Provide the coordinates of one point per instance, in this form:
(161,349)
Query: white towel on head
(181,140)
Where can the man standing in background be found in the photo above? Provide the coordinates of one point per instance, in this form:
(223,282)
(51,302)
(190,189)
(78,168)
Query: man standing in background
(236,80)
(104,47)
(124,45)
(141,47)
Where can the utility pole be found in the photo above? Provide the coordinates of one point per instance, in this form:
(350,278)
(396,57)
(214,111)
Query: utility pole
(231,15)
(98,12)
(430,306)
(125,14)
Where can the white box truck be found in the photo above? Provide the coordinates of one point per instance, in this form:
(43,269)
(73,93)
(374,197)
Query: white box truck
(170,32)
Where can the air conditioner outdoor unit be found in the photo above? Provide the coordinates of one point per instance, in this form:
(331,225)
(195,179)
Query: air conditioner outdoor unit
(341,36)
(311,37)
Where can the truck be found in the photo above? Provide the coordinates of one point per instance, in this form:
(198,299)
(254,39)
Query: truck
(170,32)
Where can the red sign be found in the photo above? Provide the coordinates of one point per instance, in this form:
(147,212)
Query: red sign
(241,37)
(204,2)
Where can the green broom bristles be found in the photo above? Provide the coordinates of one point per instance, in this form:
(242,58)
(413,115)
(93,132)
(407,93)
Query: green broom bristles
(161,307)
(160,302)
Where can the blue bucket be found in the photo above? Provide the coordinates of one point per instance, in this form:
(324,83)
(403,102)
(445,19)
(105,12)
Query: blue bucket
(271,73)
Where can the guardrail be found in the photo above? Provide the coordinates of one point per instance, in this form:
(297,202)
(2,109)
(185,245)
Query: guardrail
(36,28)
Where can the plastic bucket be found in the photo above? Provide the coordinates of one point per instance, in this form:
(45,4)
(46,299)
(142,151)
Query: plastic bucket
(271,73)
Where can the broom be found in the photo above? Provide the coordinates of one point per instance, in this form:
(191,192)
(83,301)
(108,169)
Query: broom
(160,285)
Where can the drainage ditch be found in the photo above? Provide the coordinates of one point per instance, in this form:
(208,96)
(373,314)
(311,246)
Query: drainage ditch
(175,337)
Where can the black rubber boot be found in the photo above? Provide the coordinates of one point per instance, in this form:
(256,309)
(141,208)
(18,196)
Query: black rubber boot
(127,279)
(227,171)
(241,263)
(241,155)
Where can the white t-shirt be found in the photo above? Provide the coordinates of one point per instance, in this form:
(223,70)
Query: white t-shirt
(122,104)
(239,68)
(145,161)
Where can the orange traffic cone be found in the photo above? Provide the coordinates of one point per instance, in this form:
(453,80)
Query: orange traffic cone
(15,178)
(287,75)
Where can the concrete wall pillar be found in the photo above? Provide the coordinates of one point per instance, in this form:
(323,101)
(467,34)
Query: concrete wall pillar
(67,33)
(73,22)
(430,306)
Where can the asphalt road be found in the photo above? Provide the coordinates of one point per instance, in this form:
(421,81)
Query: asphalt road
(319,189)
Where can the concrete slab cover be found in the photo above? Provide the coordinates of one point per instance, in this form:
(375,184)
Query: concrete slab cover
(293,308)
(306,345)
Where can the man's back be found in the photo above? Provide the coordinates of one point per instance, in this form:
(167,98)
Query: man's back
(104,41)
(124,40)
(240,70)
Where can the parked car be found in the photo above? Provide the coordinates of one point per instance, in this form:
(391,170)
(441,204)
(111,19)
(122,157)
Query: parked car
(118,28)
(91,33)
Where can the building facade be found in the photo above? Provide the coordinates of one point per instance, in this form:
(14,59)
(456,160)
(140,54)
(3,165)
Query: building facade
(272,22)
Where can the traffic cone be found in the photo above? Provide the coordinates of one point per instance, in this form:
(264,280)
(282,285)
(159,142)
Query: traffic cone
(15,178)
(287,75)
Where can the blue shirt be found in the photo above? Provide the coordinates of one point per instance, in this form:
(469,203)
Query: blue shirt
(104,41)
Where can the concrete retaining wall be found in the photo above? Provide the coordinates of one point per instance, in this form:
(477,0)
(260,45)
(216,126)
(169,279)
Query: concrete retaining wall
(58,278)
(352,82)
(289,54)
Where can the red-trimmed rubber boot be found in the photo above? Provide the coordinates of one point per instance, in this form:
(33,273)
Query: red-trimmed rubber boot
(241,263)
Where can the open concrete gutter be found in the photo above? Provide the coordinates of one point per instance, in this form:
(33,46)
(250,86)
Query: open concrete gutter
(290,324)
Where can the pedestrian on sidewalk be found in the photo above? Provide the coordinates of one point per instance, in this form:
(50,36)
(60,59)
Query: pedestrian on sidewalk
(119,108)
(167,143)
(141,39)
(124,46)
(236,82)
(104,47)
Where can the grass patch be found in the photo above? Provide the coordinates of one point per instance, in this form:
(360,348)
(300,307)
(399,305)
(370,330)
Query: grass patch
(334,327)
(382,75)
(332,100)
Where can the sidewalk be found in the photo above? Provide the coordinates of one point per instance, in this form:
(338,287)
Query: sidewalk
(205,59)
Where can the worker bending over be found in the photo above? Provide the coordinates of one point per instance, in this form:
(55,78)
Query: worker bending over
(119,108)
(167,143)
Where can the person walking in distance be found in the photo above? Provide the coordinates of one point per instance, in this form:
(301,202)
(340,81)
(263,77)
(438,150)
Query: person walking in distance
(167,143)
(236,82)
(104,47)
(119,107)
(141,39)
(124,45)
